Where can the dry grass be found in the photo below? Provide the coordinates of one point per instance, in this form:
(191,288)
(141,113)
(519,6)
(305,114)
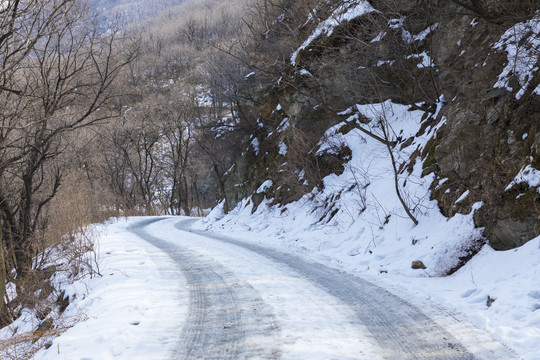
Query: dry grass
(67,253)
(24,345)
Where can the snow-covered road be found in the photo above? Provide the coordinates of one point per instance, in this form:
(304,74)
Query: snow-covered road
(252,302)
(168,291)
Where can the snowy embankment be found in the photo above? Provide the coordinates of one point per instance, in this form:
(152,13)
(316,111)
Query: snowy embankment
(495,291)
(357,223)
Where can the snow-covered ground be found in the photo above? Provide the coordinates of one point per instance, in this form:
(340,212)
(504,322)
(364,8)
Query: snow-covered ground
(133,311)
(136,310)
(508,278)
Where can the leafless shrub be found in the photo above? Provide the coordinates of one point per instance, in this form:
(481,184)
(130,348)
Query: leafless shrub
(66,252)
(499,11)
(70,233)
(24,345)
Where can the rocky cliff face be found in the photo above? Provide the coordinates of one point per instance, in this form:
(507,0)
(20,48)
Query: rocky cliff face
(475,69)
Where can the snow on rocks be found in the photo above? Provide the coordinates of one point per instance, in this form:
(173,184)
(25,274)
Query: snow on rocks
(522,44)
(527,175)
(366,221)
(350,9)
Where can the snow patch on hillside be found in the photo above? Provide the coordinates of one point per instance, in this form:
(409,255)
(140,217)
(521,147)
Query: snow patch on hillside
(358,212)
(527,175)
(350,9)
(522,44)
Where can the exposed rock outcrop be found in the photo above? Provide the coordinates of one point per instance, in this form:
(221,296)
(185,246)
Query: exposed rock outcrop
(424,54)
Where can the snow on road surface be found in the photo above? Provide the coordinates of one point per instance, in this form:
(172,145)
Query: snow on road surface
(170,292)
(282,315)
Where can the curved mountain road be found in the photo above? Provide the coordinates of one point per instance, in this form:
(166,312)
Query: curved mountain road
(252,302)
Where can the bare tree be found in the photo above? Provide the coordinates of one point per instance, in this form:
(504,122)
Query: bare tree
(139,150)
(22,25)
(66,84)
(178,160)
(476,6)
(501,11)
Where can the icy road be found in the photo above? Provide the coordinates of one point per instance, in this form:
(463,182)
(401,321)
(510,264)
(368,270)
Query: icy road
(252,302)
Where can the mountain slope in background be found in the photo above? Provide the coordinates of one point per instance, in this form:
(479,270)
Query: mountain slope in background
(130,11)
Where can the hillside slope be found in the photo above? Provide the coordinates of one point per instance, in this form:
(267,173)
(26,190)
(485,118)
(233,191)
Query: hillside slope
(468,78)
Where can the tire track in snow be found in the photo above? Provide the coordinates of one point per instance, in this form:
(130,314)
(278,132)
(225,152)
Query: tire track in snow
(222,310)
(402,330)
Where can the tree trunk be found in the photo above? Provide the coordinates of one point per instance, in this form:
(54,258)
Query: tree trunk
(187,205)
(396,179)
(198,198)
(222,188)
(4,315)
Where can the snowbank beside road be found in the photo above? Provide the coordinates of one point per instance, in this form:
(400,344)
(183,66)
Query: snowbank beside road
(134,311)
